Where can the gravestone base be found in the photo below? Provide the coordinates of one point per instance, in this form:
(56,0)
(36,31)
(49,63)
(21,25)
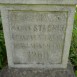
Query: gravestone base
(23,72)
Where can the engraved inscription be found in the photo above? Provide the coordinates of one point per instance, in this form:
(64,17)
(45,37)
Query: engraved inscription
(37,37)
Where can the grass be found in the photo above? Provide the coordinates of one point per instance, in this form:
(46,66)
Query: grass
(2,48)
(73,49)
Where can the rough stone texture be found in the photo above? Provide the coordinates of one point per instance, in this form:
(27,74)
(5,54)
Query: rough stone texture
(38,1)
(13,72)
(37,35)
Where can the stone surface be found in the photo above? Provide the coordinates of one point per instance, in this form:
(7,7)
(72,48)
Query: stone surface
(12,72)
(37,36)
(38,1)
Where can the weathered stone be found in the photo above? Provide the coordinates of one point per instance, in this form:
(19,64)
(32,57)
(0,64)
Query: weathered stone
(23,72)
(37,36)
(38,2)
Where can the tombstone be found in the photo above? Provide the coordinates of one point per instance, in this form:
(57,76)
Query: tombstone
(38,36)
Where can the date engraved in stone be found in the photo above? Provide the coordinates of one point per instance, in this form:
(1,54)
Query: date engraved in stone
(38,37)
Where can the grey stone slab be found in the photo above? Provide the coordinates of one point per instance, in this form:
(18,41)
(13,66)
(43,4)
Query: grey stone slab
(37,35)
(38,1)
(23,72)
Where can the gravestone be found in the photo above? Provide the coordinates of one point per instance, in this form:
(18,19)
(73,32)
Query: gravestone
(37,32)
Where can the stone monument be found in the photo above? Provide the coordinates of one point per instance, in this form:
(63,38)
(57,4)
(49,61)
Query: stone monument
(38,36)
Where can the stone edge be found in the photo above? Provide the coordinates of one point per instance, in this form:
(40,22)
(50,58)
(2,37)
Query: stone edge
(64,2)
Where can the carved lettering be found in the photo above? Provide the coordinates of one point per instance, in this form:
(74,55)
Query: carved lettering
(38,36)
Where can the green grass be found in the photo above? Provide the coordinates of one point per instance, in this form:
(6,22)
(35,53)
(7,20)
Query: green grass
(73,49)
(76,73)
(2,48)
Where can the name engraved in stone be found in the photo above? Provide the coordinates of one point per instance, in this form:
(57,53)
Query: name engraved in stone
(38,28)
(36,45)
(37,37)
(31,37)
